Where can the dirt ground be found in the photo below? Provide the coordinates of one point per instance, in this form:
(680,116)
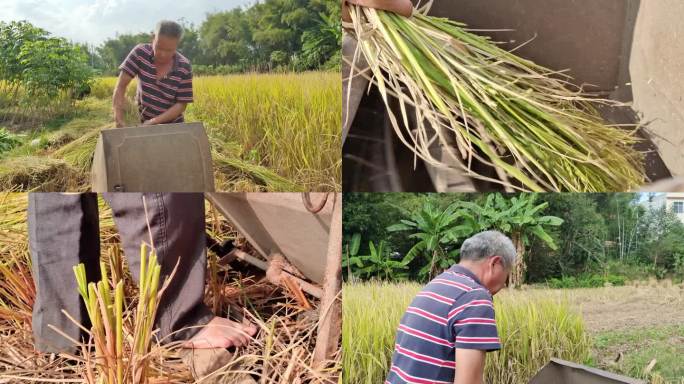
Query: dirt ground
(641,304)
(617,308)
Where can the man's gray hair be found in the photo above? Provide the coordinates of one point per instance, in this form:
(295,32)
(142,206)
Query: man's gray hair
(487,244)
(169,28)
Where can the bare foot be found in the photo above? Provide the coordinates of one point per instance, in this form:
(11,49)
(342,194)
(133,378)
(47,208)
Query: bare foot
(222,333)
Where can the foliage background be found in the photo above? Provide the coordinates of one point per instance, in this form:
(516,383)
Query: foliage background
(270,35)
(604,237)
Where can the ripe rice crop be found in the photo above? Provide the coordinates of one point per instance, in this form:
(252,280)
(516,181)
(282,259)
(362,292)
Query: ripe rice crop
(532,330)
(281,129)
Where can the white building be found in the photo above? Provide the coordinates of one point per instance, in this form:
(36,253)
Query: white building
(674,201)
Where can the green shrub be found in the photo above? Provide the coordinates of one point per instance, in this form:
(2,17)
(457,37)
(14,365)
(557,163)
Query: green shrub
(586,281)
(7,140)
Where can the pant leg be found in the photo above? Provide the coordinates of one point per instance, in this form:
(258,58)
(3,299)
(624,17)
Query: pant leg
(63,231)
(177,225)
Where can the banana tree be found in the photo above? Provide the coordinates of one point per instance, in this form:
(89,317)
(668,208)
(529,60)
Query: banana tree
(521,218)
(380,263)
(435,229)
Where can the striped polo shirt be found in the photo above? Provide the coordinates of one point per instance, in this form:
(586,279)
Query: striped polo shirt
(154,96)
(453,311)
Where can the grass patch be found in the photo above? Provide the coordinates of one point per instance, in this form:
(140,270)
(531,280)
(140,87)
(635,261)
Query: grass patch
(532,331)
(586,281)
(7,140)
(638,347)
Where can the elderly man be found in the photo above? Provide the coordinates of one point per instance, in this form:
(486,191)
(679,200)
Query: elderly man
(449,326)
(164,78)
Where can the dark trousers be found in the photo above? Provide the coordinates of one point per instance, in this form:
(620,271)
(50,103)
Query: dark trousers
(64,231)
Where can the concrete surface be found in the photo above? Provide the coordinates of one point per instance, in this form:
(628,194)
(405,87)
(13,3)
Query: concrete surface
(657,72)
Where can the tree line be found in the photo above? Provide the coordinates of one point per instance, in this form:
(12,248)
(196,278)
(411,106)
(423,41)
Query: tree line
(271,35)
(590,239)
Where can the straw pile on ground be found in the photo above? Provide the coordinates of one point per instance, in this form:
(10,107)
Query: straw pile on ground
(281,352)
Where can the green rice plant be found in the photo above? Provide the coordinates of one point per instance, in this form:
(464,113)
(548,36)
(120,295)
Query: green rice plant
(370,315)
(116,363)
(7,140)
(532,330)
(484,104)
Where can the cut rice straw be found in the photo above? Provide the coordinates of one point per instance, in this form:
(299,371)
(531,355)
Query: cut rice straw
(106,316)
(481,103)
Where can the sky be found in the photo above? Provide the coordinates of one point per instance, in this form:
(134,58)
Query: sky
(93,21)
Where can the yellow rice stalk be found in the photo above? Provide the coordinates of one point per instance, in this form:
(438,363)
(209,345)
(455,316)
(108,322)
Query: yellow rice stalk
(106,311)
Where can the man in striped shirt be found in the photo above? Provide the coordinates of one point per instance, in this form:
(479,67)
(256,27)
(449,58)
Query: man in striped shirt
(449,326)
(164,78)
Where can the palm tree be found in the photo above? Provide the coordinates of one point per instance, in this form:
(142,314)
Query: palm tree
(379,263)
(520,218)
(434,229)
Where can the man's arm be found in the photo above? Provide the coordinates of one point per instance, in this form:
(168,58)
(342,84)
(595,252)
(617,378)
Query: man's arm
(402,7)
(170,115)
(119,98)
(469,366)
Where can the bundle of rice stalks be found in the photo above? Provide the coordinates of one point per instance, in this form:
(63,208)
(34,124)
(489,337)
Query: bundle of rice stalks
(79,153)
(106,312)
(483,104)
(266,179)
(17,291)
(39,173)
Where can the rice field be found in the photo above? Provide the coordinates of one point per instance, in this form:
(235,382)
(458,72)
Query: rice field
(268,132)
(282,350)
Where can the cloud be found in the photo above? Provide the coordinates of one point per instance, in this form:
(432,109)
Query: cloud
(93,21)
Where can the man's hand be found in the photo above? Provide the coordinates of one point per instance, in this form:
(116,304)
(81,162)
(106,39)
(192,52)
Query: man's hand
(170,115)
(401,7)
(119,98)
(469,366)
